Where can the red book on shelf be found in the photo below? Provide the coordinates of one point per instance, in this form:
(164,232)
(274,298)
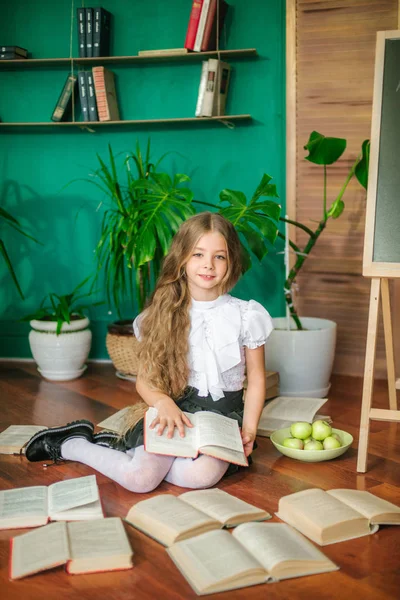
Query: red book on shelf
(106,98)
(210,31)
(193,24)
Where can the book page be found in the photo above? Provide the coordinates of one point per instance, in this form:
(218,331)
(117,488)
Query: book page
(70,493)
(104,537)
(23,502)
(218,430)
(365,503)
(273,543)
(115,422)
(220,505)
(291,409)
(40,549)
(15,437)
(175,446)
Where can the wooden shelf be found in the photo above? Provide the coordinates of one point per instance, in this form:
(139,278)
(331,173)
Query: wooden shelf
(90,124)
(131,60)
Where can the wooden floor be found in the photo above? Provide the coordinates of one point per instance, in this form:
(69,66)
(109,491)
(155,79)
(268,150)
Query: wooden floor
(369,566)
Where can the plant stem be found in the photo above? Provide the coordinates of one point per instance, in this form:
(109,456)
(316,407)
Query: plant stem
(299,225)
(325,214)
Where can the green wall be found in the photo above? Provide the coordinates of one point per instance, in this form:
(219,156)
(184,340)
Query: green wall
(37,164)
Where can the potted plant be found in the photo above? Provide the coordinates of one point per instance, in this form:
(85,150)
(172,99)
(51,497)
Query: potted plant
(60,337)
(302,349)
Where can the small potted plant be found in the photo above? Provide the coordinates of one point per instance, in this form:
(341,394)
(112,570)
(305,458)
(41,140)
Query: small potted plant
(60,338)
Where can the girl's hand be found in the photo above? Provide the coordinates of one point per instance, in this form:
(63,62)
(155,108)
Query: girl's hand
(170,416)
(248,441)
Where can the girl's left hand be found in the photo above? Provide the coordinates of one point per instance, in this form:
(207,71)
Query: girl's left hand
(248,441)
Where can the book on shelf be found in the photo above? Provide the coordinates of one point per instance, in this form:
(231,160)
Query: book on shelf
(15,437)
(221,90)
(62,109)
(91,97)
(254,553)
(285,410)
(212,434)
(12,56)
(163,52)
(209,41)
(84,547)
(89,31)
(81,23)
(83,95)
(69,500)
(193,24)
(327,517)
(101,31)
(15,50)
(201,25)
(216,88)
(202,87)
(169,519)
(106,97)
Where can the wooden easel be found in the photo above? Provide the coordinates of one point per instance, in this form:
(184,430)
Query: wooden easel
(381,259)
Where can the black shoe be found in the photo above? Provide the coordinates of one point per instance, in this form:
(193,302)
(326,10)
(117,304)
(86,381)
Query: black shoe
(46,444)
(109,439)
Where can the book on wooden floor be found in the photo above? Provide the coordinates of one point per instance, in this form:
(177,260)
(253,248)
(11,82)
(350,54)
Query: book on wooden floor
(285,410)
(106,97)
(254,553)
(336,515)
(84,547)
(15,437)
(69,500)
(212,434)
(62,109)
(169,519)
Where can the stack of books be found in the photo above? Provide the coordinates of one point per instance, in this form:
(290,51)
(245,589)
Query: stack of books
(213,88)
(13,53)
(202,28)
(93,32)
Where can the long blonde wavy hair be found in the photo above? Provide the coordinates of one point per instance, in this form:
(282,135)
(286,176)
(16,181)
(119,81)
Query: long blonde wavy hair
(165,323)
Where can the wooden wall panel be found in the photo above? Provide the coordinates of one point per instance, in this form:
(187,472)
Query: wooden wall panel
(335,43)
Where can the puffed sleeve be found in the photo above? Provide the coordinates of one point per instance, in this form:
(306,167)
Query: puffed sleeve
(257,325)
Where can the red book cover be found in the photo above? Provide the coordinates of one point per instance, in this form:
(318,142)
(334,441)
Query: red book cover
(193,24)
(210,31)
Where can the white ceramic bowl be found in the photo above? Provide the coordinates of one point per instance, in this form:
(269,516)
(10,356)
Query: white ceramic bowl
(311,455)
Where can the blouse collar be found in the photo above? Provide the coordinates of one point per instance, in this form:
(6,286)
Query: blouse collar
(201,305)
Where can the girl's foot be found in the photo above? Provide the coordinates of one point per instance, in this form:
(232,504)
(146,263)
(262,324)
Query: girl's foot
(109,439)
(46,444)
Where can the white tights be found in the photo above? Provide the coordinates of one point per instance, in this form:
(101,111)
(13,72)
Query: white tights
(141,472)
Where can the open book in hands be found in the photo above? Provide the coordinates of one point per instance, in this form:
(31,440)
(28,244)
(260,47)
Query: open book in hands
(336,515)
(70,500)
(85,547)
(254,553)
(211,434)
(285,410)
(168,518)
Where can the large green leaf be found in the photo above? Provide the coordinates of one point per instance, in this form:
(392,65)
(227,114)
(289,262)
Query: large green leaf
(324,150)
(363,165)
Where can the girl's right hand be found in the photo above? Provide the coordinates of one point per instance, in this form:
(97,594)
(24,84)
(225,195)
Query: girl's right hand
(170,416)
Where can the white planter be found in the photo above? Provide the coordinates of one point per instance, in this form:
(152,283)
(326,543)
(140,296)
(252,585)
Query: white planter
(60,357)
(304,359)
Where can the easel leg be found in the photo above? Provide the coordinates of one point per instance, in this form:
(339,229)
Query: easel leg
(368,374)
(387,325)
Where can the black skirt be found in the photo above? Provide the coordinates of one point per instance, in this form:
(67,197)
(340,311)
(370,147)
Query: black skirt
(231,405)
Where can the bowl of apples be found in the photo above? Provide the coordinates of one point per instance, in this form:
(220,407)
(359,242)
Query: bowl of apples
(311,442)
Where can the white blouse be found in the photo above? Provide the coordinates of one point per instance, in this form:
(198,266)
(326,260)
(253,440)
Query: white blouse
(219,331)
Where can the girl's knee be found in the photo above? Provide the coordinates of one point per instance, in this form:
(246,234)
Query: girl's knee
(141,482)
(205,473)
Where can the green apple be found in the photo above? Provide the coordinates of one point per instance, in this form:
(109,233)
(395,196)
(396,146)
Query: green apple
(337,437)
(309,439)
(294,443)
(331,442)
(314,445)
(301,430)
(321,430)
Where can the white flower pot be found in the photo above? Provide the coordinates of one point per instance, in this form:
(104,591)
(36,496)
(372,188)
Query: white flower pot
(304,359)
(60,357)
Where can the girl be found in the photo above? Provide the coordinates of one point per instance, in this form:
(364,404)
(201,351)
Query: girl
(196,340)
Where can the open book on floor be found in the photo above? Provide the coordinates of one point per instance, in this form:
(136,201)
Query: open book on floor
(336,515)
(115,422)
(69,500)
(14,438)
(168,518)
(254,553)
(212,434)
(285,410)
(85,547)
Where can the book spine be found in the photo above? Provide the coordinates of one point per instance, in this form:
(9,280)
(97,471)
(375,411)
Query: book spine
(83,95)
(211,16)
(208,100)
(101,32)
(15,49)
(11,56)
(202,23)
(107,106)
(65,97)
(193,24)
(210,33)
(89,32)
(202,87)
(81,20)
(223,77)
(91,97)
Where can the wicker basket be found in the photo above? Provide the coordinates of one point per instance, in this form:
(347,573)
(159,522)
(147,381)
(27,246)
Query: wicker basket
(122,347)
